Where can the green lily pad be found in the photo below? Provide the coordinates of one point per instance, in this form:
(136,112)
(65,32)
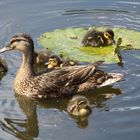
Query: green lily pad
(130,38)
(68,43)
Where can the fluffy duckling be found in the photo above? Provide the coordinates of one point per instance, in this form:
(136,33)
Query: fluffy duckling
(53,62)
(59,82)
(56,61)
(96,38)
(79,106)
(42,56)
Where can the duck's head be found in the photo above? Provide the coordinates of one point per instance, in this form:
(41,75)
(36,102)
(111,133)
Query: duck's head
(109,35)
(21,42)
(54,61)
(79,106)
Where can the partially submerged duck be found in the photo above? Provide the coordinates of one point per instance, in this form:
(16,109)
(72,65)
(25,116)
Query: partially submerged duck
(79,106)
(57,61)
(59,82)
(96,38)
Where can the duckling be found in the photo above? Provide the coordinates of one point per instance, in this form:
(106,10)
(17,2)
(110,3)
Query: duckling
(42,56)
(3,65)
(63,81)
(79,106)
(56,61)
(96,38)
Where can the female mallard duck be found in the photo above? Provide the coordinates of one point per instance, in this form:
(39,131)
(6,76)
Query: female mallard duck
(55,61)
(61,81)
(79,106)
(96,38)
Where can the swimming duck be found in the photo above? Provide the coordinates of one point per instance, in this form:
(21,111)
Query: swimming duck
(96,38)
(79,106)
(59,82)
(56,61)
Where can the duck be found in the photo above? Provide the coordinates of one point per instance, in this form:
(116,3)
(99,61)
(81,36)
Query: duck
(57,61)
(63,81)
(97,38)
(79,106)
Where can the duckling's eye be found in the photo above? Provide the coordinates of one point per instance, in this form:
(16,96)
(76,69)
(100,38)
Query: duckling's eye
(72,108)
(52,61)
(107,35)
(82,103)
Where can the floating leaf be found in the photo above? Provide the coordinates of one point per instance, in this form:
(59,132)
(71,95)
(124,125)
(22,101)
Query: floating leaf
(68,43)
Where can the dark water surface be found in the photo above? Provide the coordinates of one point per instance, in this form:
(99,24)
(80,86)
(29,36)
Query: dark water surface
(116,109)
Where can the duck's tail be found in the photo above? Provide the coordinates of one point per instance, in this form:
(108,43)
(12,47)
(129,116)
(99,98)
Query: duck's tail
(112,78)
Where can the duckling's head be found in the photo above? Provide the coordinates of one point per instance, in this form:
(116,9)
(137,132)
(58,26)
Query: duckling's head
(54,61)
(21,42)
(79,106)
(109,35)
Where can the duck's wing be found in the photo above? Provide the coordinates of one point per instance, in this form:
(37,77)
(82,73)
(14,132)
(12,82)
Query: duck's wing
(77,75)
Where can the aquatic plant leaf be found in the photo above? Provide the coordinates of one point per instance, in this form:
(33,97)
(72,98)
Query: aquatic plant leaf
(130,38)
(68,43)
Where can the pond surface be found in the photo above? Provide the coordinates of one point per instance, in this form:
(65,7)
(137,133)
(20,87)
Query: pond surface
(115,109)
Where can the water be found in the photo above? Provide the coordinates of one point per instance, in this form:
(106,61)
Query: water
(116,109)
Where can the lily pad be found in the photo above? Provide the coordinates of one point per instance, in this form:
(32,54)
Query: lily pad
(68,43)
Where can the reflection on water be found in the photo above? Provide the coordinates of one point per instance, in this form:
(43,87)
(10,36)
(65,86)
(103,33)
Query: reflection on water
(29,128)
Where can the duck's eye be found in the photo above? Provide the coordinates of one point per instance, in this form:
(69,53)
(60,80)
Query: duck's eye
(17,40)
(13,41)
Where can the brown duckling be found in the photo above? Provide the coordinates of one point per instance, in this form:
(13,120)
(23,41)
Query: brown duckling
(41,57)
(59,82)
(96,38)
(79,106)
(56,61)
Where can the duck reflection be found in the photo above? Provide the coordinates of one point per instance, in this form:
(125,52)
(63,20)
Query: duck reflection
(29,128)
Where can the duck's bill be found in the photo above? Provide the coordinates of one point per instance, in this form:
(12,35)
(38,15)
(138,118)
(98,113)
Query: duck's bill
(114,77)
(5,49)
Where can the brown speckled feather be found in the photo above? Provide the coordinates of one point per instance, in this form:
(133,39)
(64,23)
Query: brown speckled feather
(60,81)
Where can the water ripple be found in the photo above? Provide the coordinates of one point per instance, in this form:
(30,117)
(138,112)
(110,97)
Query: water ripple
(125,109)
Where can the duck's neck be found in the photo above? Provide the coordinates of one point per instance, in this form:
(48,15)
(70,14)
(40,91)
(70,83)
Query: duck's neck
(26,69)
